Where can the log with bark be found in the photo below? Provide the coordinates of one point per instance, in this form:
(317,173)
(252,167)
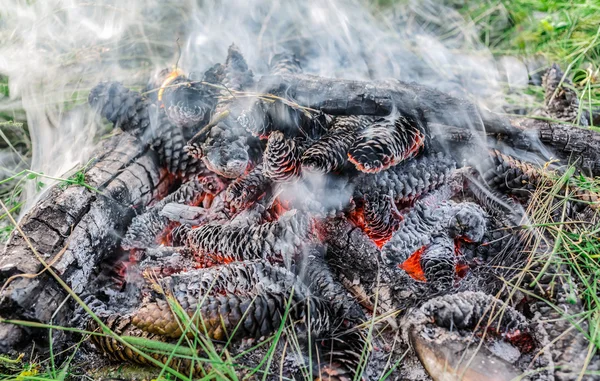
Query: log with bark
(87,224)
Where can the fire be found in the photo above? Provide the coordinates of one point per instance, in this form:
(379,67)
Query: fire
(357,217)
(170,78)
(412,265)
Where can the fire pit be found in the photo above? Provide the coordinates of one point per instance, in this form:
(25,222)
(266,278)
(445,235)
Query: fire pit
(289,225)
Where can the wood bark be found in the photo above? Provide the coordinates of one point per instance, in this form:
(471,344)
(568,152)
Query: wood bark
(88,223)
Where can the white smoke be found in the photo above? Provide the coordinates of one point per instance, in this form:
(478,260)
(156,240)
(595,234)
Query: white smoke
(55,51)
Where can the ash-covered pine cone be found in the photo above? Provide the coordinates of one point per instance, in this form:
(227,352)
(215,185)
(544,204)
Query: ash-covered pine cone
(507,174)
(330,153)
(409,180)
(189,103)
(284,63)
(246,190)
(281,160)
(386,143)
(226,147)
(236,301)
(439,261)
(116,351)
(168,141)
(470,310)
(561,99)
(146,228)
(316,274)
(271,240)
(256,119)
(126,109)
(431,218)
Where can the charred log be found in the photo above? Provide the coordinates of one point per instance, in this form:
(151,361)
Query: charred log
(127,176)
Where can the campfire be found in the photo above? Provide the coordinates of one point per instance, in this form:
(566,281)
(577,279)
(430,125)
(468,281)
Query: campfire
(312,226)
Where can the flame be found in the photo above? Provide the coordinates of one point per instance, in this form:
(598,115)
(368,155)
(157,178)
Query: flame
(412,265)
(170,78)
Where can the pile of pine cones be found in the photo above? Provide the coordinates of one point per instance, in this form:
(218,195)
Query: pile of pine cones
(281,213)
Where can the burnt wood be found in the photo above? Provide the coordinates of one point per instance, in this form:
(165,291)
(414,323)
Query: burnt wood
(89,224)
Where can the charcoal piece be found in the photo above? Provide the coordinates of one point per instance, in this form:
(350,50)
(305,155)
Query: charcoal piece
(272,240)
(385,143)
(126,109)
(281,160)
(381,98)
(184,214)
(76,230)
(247,189)
(408,180)
(330,152)
(239,300)
(561,100)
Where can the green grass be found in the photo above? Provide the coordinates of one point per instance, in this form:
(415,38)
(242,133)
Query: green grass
(565,32)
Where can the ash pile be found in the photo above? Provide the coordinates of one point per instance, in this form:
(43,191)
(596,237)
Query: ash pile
(340,230)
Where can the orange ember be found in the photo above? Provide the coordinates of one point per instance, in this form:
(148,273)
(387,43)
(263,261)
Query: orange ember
(280,206)
(170,78)
(412,265)
(357,217)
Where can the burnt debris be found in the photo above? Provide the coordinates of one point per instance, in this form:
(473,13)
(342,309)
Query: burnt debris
(313,208)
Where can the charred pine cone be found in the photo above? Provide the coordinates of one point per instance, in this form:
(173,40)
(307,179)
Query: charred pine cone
(117,351)
(386,143)
(424,246)
(492,336)
(239,300)
(512,176)
(330,152)
(281,160)
(234,242)
(247,189)
(190,103)
(126,109)
(408,181)
(146,228)
(132,112)
(561,99)
(224,145)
